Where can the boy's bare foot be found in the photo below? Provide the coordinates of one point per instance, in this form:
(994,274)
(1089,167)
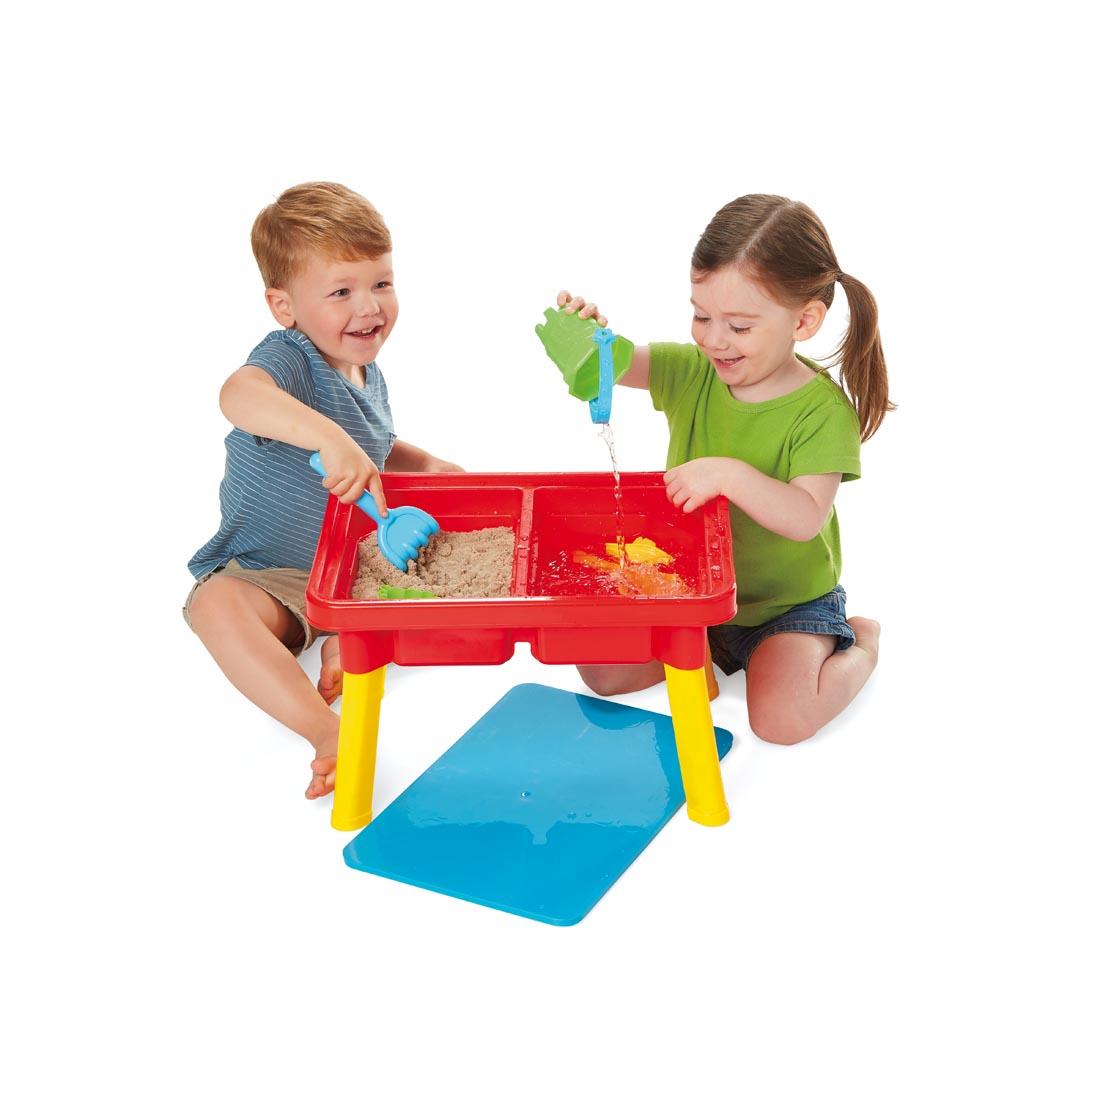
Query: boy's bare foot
(323,767)
(324,777)
(867,632)
(331,681)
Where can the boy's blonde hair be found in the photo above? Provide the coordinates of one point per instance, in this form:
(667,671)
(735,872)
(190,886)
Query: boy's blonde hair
(315,218)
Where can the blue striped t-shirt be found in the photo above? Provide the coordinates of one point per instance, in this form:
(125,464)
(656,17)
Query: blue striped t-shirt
(272,502)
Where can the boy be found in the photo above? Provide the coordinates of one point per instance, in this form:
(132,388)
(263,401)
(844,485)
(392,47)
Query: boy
(324,254)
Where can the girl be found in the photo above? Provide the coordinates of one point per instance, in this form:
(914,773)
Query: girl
(769,430)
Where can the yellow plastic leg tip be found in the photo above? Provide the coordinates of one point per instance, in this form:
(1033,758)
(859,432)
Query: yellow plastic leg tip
(715,817)
(347,824)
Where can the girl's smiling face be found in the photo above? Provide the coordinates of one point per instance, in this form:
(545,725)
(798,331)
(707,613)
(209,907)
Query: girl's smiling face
(748,337)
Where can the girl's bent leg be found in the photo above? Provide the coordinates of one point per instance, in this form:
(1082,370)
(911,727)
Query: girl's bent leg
(620,679)
(796,683)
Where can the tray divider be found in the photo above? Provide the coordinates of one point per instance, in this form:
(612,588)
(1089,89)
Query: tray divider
(521,566)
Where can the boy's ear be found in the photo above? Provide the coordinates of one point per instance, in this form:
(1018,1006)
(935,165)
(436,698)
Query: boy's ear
(278,301)
(810,320)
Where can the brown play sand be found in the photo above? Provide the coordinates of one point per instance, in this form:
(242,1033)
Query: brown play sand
(474,564)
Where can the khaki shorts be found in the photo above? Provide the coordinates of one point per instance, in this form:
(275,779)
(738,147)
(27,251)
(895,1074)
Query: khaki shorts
(287,586)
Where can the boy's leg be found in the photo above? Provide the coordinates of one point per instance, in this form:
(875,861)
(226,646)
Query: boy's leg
(796,683)
(247,632)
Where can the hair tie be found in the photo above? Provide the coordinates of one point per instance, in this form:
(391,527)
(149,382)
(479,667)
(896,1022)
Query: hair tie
(839,276)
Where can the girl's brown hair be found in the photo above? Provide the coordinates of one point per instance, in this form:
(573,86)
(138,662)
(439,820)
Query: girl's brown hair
(783,246)
(324,219)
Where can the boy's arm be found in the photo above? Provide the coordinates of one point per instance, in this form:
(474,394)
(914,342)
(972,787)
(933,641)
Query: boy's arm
(404,458)
(252,401)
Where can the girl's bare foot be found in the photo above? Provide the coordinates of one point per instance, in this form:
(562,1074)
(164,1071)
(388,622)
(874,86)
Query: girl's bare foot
(867,632)
(324,770)
(331,681)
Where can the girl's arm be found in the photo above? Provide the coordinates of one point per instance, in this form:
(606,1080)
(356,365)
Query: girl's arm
(796,509)
(251,401)
(637,376)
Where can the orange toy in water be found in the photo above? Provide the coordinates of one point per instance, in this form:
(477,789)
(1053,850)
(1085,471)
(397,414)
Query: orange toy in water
(642,551)
(639,576)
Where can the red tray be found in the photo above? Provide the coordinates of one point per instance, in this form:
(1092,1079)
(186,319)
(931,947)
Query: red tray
(549,514)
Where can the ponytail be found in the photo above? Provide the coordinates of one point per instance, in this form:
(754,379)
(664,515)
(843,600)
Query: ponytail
(862,363)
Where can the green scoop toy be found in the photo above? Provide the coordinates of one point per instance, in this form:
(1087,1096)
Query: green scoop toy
(591,358)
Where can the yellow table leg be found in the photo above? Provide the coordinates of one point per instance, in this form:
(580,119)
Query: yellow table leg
(355,757)
(694,730)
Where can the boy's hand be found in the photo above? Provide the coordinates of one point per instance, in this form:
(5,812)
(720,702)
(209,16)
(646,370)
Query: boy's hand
(570,304)
(350,472)
(691,485)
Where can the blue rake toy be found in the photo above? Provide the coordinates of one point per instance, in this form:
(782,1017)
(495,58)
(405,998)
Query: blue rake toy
(401,532)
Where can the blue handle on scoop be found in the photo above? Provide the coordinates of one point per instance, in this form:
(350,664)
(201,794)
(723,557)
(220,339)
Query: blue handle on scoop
(366,501)
(600,406)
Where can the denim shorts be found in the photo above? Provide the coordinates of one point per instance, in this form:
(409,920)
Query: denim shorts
(731,646)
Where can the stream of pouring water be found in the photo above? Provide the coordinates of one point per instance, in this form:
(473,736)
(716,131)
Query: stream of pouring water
(620,520)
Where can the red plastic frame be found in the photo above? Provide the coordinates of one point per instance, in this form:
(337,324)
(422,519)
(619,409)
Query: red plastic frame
(548,513)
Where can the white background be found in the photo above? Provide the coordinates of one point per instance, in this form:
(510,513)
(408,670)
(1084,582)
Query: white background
(903,906)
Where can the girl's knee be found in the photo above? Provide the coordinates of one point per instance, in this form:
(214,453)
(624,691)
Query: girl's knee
(601,679)
(779,725)
(618,680)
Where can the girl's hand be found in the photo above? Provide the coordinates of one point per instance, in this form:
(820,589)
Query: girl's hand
(637,376)
(350,472)
(573,305)
(691,485)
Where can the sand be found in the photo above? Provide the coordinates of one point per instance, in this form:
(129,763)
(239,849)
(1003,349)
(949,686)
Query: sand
(473,564)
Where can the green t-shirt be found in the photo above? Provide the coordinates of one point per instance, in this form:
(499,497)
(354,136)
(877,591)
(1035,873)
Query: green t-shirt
(812,430)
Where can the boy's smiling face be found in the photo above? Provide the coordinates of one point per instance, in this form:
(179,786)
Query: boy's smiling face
(346,307)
